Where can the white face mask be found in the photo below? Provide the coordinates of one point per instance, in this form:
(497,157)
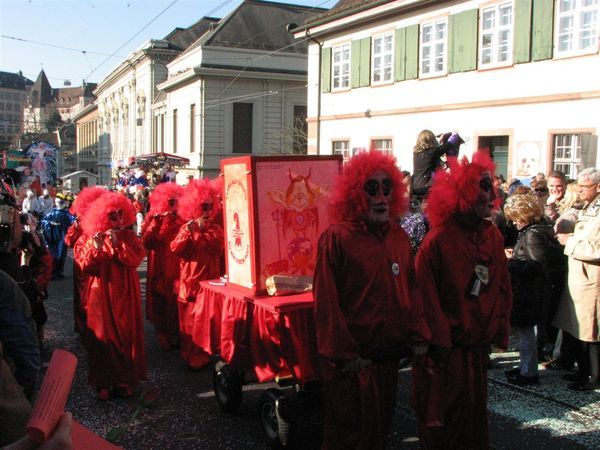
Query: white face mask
(60,204)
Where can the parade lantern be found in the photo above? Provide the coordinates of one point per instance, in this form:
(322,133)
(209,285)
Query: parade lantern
(275,209)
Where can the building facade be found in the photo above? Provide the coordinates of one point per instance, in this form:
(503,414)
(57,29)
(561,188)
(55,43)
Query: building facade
(515,77)
(239,89)
(86,126)
(14,89)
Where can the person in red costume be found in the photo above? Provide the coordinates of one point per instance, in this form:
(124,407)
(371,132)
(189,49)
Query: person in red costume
(80,280)
(199,244)
(111,256)
(160,227)
(463,281)
(366,318)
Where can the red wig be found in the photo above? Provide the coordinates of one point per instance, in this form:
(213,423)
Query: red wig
(194,195)
(160,196)
(84,200)
(349,202)
(96,218)
(456,190)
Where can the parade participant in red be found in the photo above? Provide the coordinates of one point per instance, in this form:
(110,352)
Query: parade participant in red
(365,315)
(160,227)
(81,204)
(463,281)
(111,256)
(199,244)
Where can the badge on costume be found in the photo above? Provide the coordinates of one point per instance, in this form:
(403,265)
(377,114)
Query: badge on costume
(482,277)
(395,269)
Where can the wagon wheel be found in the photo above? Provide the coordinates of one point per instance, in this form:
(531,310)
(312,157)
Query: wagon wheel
(274,425)
(227,385)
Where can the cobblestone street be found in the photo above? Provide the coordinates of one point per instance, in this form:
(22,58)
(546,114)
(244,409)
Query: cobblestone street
(186,415)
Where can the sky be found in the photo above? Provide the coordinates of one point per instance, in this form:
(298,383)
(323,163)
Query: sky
(75,40)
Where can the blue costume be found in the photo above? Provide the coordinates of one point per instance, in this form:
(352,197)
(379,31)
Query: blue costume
(55,224)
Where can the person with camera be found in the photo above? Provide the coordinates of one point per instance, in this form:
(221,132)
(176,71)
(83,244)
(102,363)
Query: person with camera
(199,243)
(463,281)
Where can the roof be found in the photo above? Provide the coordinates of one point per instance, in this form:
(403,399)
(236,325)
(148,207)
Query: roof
(341,9)
(42,93)
(10,80)
(260,25)
(181,38)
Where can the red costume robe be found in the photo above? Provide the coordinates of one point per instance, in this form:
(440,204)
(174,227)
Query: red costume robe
(162,281)
(71,238)
(114,311)
(201,253)
(450,386)
(363,308)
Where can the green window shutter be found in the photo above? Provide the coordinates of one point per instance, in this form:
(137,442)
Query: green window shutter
(541,36)
(365,62)
(400,54)
(462,41)
(412,52)
(326,69)
(360,63)
(355,64)
(522,38)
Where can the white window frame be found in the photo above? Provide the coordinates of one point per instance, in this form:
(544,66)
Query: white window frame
(568,147)
(341,147)
(387,147)
(494,32)
(382,62)
(340,80)
(574,34)
(431,45)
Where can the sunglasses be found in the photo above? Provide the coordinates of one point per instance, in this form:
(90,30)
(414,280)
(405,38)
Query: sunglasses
(486,185)
(541,190)
(371,187)
(206,206)
(115,215)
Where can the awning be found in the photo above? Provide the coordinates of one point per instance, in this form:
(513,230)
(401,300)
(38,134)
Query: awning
(161,158)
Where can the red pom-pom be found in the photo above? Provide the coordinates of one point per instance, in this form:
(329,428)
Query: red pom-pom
(160,196)
(96,218)
(85,198)
(349,202)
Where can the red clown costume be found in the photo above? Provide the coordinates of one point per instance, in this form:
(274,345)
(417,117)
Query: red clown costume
(160,227)
(111,255)
(366,318)
(73,239)
(199,244)
(463,281)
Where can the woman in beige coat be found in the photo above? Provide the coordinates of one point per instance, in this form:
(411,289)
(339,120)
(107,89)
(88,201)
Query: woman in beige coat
(579,312)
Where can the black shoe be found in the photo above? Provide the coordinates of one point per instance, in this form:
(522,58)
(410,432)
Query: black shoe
(576,377)
(512,372)
(557,364)
(521,380)
(584,386)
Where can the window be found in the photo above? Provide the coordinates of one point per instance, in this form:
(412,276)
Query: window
(174,149)
(300,130)
(162,132)
(242,128)
(573,152)
(383,51)
(577,26)
(567,154)
(192,128)
(495,42)
(341,67)
(434,37)
(341,148)
(383,145)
